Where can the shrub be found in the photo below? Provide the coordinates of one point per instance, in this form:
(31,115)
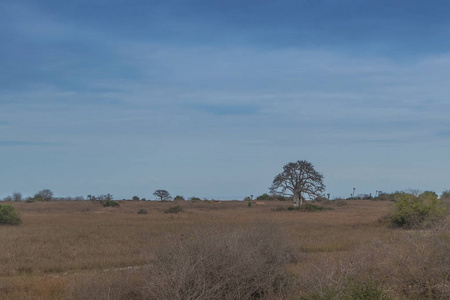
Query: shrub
(30,200)
(267,197)
(142,211)
(222,263)
(178,198)
(445,195)
(445,198)
(44,195)
(412,211)
(264,197)
(308,207)
(109,202)
(17,197)
(135,198)
(423,264)
(174,210)
(9,215)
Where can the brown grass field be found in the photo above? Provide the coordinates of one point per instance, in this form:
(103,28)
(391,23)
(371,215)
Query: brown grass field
(81,250)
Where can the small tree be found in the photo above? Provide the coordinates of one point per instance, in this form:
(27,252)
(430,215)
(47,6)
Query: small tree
(17,197)
(135,198)
(163,195)
(178,198)
(298,179)
(44,195)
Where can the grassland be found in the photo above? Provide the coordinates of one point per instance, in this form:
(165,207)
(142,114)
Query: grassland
(81,250)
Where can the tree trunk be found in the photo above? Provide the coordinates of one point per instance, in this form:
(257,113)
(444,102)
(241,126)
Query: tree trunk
(296,199)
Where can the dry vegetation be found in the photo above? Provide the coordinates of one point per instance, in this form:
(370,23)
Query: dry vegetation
(81,250)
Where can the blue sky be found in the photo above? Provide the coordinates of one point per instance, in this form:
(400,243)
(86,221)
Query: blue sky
(212,98)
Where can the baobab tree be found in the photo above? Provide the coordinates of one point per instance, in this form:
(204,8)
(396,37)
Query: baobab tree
(298,179)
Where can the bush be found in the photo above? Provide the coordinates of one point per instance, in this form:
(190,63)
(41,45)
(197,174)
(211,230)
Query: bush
(308,207)
(421,268)
(264,197)
(30,200)
(9,215)
(44,195)
(17,197)
(142,211)
(178,198)
(135,198)
(267,197)
(109,202)
(222,263)
(412,211)
(445,198)
(174,210)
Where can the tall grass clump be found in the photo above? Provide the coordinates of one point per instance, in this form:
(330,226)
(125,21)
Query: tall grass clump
(222,263)
(411,211)
(9,215)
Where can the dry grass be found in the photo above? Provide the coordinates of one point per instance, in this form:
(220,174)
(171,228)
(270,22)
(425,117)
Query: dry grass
(222,262)
(77,250)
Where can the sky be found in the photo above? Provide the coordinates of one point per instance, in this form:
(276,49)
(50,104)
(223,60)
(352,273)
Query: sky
(211,98)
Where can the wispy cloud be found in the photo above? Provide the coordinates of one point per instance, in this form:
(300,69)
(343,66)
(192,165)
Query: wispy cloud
(227,109)
(11,143)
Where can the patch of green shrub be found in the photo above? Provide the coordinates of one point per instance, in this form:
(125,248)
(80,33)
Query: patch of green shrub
(308,207)
(142,211)
(267,197)
(110,203)
(412,211)
(174,210)
(9,215)
(264,197)
(30,200)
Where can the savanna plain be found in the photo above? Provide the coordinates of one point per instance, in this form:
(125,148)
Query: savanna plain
(220,250)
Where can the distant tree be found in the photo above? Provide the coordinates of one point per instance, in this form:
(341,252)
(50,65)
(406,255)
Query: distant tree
(17,197)
(44,195)
(163,195)
(298,179)
(135,198)
(178,198)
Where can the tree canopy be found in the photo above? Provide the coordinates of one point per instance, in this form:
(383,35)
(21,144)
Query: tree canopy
(163,195)
(298,179)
